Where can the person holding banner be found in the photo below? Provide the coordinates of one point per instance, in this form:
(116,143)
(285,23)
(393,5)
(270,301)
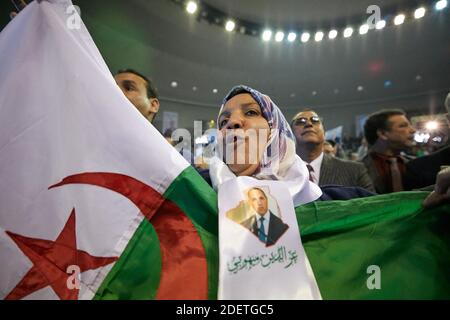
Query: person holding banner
(256,148)
(246,110)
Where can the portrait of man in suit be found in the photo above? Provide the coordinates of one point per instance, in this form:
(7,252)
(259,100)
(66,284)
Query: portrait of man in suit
(263,223)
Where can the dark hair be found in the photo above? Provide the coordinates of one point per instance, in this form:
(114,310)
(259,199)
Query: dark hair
(331,142)
(379,121)
(152,92)
(259,189)
(168,133)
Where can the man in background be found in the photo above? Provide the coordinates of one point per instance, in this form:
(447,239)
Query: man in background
(140,91)
(388,133)
(325,169)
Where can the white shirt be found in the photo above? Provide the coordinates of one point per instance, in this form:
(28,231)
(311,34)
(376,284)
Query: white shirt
(266,221)
(316,164)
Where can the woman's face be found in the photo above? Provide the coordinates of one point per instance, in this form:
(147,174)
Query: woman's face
(245,134)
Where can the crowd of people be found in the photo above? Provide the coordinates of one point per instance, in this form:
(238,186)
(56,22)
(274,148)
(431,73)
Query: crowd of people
(382,164)
(256,150)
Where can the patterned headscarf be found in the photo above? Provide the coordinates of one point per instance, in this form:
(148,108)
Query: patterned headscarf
(279,161)
(280,149)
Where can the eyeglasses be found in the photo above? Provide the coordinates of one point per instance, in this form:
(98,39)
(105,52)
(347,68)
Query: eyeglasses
(302,121)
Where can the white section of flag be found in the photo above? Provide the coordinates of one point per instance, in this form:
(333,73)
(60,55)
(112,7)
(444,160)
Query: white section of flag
(61,113)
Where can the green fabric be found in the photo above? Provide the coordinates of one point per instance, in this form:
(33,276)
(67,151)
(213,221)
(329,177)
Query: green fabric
(137,272)
(135,276)
(410,245)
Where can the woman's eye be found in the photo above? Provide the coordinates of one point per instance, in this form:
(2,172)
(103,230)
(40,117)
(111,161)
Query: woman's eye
(222,123)
(251,113)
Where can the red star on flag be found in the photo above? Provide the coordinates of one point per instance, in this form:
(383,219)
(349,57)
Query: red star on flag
(50,262)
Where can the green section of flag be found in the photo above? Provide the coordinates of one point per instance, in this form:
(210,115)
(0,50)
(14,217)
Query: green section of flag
(410,245)
(135,276)
(137,273)
(199,201)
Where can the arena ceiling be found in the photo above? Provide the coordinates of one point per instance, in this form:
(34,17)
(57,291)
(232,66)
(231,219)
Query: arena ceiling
(160,39)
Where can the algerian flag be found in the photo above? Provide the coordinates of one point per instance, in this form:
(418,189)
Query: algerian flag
(129,212)
(85,178)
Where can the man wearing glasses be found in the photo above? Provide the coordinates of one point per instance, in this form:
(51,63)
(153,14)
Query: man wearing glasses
(323,168)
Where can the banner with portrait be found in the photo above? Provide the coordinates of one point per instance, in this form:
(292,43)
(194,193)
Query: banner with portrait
(261,253)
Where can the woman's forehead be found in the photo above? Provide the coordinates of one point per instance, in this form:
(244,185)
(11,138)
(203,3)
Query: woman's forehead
(239,101)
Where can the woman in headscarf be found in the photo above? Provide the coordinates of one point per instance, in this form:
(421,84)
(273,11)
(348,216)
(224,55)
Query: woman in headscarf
(256,149)
(245,109)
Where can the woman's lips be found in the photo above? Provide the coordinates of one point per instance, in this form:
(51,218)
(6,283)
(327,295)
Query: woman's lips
(308,131)
(234,139)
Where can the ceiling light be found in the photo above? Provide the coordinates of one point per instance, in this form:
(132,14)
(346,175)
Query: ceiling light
(398,20)
(267,35)
(191,7)
(174,84)
(215,90)
(292,36)
(305,37)
(279,36)
(348,32)
(419,13)
(230,25)
(441,4)
(363,29)
(380,24)
(319,36)
(431,125)
(360,88)
(332,34)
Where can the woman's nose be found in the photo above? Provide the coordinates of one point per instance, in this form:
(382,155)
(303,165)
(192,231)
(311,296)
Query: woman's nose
(235,122)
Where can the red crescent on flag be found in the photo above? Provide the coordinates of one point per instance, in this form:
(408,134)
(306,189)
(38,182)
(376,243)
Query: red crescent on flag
(184,272)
